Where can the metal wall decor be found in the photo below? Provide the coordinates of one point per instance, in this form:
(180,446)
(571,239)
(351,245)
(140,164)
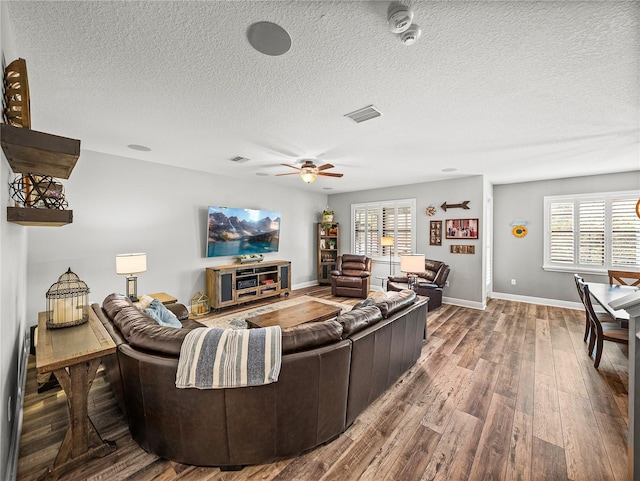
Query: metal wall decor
(39,191)
(431,210)
(462,205)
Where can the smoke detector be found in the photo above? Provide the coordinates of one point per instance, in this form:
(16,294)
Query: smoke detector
(411,35)
(400,19)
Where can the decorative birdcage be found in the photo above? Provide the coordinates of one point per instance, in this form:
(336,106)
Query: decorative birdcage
(67,301)
(199,304)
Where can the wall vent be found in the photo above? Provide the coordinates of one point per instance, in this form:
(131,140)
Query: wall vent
(367,113)
(239,160)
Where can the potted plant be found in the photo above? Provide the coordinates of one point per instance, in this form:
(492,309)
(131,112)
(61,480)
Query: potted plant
(327,217)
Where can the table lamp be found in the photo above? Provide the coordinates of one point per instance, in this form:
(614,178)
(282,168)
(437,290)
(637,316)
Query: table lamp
(129,265)
(410,264)
(387,241)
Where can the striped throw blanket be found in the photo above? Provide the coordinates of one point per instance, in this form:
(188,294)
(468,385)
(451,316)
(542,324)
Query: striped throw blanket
(213,358)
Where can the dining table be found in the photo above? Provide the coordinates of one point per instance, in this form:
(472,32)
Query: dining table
(625,301)
(606,293)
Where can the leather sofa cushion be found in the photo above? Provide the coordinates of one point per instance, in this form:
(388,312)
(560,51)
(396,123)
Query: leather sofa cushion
(344,281)
(433,266)
(356,320)
(396,301)
(142,332)
(113,303)
(367,302)
(310,335)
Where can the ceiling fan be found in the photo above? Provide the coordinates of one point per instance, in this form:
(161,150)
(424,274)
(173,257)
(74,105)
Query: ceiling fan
(308,171)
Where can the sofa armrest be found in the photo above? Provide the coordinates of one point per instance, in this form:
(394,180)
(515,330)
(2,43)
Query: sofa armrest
(428,285)
(180,310)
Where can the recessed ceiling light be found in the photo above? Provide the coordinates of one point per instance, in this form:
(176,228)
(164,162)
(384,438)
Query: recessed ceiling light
(140,148)
(449,169)
(269,38)
(262,174)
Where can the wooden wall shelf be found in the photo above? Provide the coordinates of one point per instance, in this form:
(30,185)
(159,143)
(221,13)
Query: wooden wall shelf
(30,216)
(32,152)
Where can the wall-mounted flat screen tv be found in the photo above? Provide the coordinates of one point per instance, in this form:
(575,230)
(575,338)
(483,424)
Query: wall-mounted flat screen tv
(234,231)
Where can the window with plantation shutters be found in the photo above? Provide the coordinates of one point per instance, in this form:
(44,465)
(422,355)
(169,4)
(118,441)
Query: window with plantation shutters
(592,233)
(372,221)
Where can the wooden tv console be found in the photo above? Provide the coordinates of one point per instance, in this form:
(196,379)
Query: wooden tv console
(235,284)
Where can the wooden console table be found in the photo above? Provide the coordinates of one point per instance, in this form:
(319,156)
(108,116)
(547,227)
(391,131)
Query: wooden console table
(73,355)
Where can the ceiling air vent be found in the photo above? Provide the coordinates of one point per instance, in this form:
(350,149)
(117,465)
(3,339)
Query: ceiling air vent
(367,113)
(239,160)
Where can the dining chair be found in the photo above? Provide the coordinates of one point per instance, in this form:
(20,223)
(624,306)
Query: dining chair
(603,315)
(620,276)
(600,333)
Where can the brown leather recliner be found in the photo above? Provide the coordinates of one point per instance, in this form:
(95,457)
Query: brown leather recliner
(352,277)
(430,283)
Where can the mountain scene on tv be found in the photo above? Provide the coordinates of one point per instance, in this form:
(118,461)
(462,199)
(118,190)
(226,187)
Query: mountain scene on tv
(233,231)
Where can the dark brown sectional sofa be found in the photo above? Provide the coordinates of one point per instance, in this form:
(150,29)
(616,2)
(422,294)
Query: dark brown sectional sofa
(331,371)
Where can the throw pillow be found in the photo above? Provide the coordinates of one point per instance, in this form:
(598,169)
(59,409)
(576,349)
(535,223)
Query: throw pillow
(162,315)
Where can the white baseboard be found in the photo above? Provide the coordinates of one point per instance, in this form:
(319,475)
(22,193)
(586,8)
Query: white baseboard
(302,285)
(538,300)
(464,303)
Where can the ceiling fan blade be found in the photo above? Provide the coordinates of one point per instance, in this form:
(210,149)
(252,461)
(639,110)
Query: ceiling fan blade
(288,173)
(292,166)
(330,174)
(325,167)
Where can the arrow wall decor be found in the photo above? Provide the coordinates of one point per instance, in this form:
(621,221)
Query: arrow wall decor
(463,205)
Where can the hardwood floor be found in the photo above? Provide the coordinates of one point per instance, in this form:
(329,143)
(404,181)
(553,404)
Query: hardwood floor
(508,393)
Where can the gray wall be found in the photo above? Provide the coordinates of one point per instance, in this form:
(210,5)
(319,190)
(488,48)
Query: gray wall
(13,298)
(467,274)
(522,259)
(124,205)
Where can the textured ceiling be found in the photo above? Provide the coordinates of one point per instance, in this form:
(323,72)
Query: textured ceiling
(516,91)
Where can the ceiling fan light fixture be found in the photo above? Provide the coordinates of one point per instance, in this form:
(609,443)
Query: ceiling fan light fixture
(308,174)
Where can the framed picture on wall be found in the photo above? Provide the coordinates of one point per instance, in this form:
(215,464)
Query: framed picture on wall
(461,228)
(456,249)
(435,232)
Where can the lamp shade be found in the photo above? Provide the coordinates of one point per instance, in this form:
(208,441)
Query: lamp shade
(386,241)
(412,263)
(130,264)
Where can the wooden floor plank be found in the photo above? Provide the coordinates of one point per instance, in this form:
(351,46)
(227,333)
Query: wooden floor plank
(453,456)
(514,364)
(546,412)
(490,461)
(548,462)
(477,397)
(612,431)
(585,453)
(443,396)
(567,372)
(520,448)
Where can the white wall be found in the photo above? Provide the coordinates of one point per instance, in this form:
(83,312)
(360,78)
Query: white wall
(13,288)
(467,274)
(521,259)
(124,205)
